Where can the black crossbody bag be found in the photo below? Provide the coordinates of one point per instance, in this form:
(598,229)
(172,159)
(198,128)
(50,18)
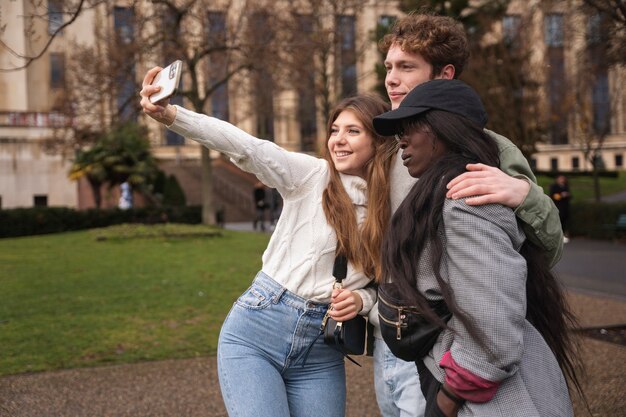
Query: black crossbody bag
(349,336)
(407,332)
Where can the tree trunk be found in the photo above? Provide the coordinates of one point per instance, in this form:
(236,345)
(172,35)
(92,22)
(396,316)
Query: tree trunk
(208,211)
(596,184)
(97,194)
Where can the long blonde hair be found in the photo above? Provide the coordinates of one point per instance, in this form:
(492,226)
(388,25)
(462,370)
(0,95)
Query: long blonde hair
(361,245)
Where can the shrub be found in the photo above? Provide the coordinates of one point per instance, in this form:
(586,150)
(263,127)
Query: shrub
(44,220)
(594,220)
(173,194)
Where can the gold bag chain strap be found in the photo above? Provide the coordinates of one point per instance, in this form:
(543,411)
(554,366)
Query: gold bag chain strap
(340,271)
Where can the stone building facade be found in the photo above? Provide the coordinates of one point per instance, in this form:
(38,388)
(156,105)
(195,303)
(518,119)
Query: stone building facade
(35,172)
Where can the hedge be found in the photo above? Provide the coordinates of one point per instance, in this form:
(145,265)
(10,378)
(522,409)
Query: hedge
(44,220)
(571,174)
(595,220)
(587,219)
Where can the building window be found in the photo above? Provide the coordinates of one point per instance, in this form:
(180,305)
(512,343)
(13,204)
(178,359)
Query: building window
(594,31)
(533,163)
(171,52)
(601,103)
(347,48)
(619,160)
(40,201)
(218,64)
(57,70)
(172,138)
(307,110)
(263,81)
(553,30)
(511,28)
(123,20)
(553,36)
(575,163)
(55,16)
(554,164)
(386,20)
(599,75)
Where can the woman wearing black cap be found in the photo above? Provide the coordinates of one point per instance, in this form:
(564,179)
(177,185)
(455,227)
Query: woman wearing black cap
(505,349)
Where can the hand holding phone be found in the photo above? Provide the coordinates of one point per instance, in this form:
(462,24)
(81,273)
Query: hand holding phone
(168,79)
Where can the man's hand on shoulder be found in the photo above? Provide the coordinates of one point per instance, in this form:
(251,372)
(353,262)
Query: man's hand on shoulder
(486,185)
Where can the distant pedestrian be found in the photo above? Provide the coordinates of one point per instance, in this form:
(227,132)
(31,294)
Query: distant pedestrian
(259,206)
(561,195)
(126,198)
(276,206)
(220,216)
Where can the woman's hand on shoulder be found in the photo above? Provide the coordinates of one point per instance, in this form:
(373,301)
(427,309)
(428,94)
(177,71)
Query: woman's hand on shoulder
(346,304)
(162,111)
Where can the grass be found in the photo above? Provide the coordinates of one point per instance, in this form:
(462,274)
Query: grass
(73,299)
(582,187)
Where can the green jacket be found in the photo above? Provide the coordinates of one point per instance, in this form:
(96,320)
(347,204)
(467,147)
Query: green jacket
(539,215)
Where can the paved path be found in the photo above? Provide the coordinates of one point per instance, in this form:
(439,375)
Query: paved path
(189,388)
(614,198)
(594,266)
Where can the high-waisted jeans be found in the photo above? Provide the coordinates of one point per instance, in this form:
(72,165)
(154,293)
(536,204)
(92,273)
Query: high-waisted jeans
(264,366)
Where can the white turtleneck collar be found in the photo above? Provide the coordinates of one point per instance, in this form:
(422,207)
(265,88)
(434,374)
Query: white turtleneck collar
(356,187)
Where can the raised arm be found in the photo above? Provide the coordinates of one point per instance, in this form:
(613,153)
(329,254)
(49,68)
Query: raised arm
(288,172)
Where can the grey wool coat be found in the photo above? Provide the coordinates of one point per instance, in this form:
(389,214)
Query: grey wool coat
(487,274)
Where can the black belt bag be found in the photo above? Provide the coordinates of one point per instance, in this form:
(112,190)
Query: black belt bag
(407,332)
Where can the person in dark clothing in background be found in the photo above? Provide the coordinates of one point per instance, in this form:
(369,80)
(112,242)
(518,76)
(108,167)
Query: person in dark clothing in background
(276,206)
(560,194)
(259,206)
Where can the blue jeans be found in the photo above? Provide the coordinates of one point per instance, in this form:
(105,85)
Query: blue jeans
(261,357)
(397,384)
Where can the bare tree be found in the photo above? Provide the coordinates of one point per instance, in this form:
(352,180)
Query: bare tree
(504,74)
(257,41)
(66,11)
(614,25)
(103,79)
(318,45)
(500,68)
(589,99)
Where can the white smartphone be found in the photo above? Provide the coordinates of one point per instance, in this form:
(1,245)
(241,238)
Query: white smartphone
(168,79)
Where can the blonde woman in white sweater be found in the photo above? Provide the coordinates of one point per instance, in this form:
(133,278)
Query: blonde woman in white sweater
(335,204)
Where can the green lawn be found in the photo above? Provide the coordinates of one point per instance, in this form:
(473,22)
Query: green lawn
(76,299)
(582,187)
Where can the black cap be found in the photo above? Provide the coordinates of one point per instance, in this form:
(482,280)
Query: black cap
(453,96)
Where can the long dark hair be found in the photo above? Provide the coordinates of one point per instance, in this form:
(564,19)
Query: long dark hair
(417,222)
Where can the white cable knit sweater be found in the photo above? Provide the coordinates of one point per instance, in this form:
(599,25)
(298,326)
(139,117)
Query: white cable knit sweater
(301,251)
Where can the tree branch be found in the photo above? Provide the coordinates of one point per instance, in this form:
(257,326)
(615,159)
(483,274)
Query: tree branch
(30,59)
(617,11)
